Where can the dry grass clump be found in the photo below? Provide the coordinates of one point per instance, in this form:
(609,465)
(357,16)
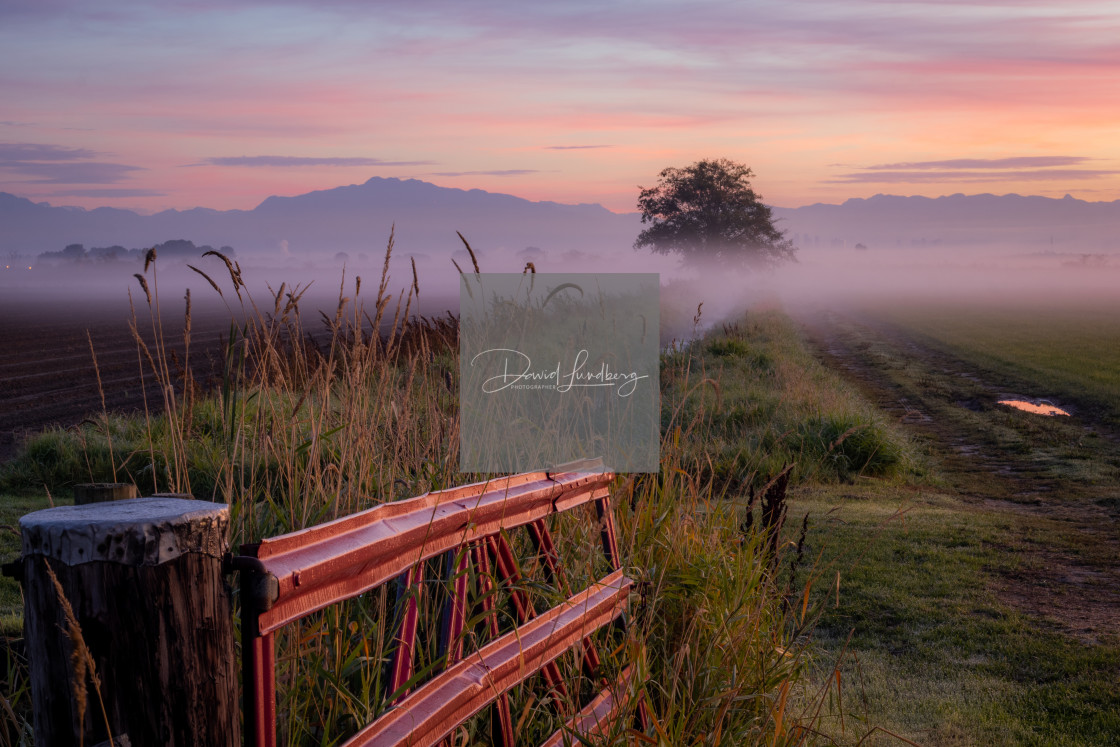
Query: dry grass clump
(312,420)
(81,660)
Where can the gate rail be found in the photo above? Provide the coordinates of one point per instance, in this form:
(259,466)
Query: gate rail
(285,578)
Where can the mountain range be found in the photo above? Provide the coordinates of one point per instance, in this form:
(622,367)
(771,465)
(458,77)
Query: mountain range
(1024,223)
(357,218)
(354,218)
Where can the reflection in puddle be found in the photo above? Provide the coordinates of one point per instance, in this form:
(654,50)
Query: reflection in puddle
(1043,409)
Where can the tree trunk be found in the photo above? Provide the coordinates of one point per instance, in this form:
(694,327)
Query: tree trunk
(144,580)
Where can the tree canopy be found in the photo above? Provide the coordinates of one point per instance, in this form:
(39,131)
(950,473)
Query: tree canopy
(709,214)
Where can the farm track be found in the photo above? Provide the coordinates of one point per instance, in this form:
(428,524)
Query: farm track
(944,402)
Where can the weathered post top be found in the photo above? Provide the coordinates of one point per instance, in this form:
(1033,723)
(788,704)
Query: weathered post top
(144,531)
(145,595)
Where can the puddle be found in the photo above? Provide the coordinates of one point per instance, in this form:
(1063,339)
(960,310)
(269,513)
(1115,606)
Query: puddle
(1044,408)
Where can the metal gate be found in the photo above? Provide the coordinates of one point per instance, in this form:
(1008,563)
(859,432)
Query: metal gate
(285,578)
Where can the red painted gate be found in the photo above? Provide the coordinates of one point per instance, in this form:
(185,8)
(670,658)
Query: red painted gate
(285,578)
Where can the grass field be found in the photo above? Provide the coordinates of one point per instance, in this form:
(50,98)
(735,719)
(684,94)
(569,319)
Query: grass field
(979,604)
(930,648)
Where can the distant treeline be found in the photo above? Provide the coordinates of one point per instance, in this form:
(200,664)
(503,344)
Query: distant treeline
(175,248)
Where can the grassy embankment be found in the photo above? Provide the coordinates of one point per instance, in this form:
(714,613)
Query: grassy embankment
(303,432)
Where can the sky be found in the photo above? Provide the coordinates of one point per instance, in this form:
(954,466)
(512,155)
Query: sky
(156,105)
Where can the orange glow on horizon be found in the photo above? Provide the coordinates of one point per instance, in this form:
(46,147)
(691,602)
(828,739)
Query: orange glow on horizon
(541,104)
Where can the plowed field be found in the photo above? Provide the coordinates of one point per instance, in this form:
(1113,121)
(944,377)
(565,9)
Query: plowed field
(48,350)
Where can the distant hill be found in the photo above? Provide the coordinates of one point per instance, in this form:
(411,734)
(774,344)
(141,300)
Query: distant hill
(1009,221)
(357,218)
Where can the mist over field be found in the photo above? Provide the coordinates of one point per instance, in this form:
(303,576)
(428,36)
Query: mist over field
(821,277)
(895,253)
(883,248)
(988,274)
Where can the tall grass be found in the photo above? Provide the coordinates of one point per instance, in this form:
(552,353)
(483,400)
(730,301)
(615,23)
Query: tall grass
(317,420)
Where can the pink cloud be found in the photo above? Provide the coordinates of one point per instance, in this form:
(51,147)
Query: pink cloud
(789,87)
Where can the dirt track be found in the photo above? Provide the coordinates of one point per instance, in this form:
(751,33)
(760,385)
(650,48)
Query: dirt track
(950,406)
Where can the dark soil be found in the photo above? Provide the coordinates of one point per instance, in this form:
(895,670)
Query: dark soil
(62,361)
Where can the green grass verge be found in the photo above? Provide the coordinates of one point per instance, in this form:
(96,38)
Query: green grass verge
(11,600)
(930,652)
(758,402)
(974,616)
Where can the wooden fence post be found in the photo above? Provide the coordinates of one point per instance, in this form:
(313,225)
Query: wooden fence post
(143,580)
(99,492)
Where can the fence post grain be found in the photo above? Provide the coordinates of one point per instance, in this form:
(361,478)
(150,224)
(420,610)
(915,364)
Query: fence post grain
(145,595)
(100,492)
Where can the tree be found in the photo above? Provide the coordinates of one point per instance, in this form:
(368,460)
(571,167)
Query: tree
(708,213)
(73,252)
